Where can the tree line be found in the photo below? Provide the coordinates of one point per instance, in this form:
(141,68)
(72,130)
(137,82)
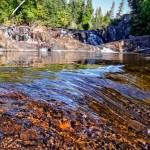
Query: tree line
(73,14)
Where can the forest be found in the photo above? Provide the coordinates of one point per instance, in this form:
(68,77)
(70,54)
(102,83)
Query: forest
(73,14)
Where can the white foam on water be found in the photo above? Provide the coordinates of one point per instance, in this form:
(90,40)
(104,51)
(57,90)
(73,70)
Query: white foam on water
(107,50)
(148,131)
(43,49)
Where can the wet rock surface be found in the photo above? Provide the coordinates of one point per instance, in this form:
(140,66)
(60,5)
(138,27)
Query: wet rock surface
(84,107)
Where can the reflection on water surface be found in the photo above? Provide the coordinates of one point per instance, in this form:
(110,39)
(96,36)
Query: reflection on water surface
(77,100)
(27,59)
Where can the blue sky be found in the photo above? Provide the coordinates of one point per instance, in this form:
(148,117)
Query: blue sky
(106,5)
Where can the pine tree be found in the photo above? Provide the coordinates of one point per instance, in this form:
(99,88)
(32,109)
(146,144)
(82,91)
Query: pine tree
(98,19)
(140,10)
(57,12)
(106,20)
(86,19)
(135,5)
(112,10)
(77,8)
(118,15)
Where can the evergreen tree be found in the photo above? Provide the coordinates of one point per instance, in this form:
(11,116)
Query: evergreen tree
(87,16)
(112,10)
(98,19)
(140,17)
(119,14)
(106,20)
(57,12)
(77,8)
(76,14)
(135,5)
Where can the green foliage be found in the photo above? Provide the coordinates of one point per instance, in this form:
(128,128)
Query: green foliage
(140,17)
(98,19)
(77,8)
(64,18)
(115,21)
(135,5)
(81,12)
(106,20)
(74,14)
(6,8)
(87,16)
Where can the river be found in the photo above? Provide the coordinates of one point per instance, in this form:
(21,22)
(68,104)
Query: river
(74,100)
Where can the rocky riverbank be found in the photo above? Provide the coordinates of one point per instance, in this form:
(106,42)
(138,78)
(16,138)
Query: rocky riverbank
(24,38)
(115,38)
(138,44)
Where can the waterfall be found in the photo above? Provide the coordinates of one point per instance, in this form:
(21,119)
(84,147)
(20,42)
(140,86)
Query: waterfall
(94,39)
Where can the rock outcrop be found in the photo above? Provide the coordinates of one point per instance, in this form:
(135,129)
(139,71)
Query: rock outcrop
(24,38)
(120,31)
(139,44)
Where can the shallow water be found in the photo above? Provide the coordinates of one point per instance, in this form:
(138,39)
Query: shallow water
(77,100)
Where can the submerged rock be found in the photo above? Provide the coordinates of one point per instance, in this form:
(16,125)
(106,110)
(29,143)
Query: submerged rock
(30,123)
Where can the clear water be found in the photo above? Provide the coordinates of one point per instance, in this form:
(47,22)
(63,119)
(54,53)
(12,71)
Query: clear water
(110,92)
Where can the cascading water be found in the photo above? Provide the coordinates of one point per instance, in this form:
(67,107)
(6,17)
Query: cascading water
(94,39)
